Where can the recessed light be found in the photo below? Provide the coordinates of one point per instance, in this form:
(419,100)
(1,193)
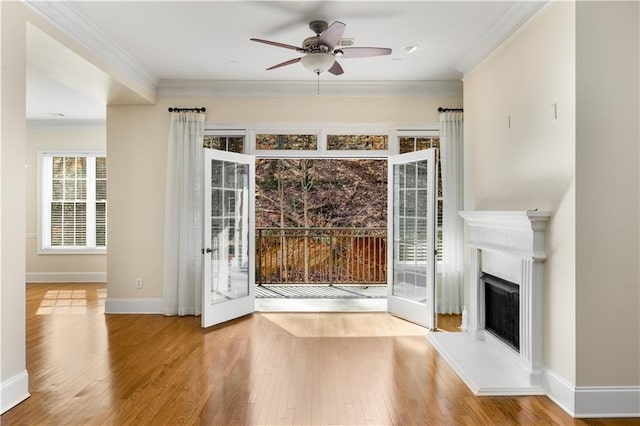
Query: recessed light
(411,49)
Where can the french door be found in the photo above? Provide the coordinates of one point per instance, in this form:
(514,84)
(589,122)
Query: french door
(411,237)
(229,235)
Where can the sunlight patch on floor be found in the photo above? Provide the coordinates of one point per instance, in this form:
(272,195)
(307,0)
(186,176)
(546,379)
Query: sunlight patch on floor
(67,302)
(321,305)
(367,324)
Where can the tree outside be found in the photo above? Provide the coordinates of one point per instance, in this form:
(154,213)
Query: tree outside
(309,193)
(321,220)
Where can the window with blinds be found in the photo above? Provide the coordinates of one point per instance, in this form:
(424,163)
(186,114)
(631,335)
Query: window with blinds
(74,203)
(101,201)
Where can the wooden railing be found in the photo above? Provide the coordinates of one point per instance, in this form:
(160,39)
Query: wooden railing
(321,256)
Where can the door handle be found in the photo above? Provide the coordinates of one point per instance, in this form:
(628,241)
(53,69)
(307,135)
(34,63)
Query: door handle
(208,250)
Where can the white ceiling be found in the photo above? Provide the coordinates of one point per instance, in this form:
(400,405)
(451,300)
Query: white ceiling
(181,41)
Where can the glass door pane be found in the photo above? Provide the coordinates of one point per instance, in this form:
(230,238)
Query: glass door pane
(412,242)
(228,273)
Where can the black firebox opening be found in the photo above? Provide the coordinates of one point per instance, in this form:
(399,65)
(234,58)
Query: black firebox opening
(502,309)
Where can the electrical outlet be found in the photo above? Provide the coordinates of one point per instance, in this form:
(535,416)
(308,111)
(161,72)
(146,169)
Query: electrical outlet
(138,283)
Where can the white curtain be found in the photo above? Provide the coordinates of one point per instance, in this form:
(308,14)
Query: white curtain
(182,279)
(451,138)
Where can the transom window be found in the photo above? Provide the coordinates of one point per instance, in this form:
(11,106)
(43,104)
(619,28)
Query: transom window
(418,143)
(366,141)
(286,142)
(358,142)
(73,205)
(225,143)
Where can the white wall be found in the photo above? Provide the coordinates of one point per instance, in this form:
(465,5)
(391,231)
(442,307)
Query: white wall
(52,267)
(13,374)
(607,194)
(136,148)
(531,164)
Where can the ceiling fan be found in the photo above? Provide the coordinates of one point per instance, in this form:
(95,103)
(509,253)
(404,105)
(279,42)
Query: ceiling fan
(320,51)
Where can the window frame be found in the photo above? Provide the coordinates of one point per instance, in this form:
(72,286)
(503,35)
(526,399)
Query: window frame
(45,188)
(322,130)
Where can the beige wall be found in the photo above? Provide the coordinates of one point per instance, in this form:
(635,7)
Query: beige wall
(136,148)
(607,290)
(323,110)
(531,165)
(591,335)
(69,139)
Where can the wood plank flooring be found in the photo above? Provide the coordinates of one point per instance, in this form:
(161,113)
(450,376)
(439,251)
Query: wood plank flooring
(87,368)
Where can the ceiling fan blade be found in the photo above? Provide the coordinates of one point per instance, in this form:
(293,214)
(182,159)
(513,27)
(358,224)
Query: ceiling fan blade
(336,69)
(274,43)
(285,63)
(331,36)
(362,52)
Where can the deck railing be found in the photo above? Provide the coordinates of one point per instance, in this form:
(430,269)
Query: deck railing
(321,256)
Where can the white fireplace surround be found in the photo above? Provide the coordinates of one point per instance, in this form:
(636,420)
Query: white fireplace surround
(511,246)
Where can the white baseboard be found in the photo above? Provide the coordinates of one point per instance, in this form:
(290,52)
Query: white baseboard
(607,401)
(13,391)
(592,401)
(66,277)
(560,391)
(133,306)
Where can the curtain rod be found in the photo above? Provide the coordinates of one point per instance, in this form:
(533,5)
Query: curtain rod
(450,109)
(173,109)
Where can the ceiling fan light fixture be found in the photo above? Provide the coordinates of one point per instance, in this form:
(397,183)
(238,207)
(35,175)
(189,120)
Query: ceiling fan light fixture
(317,62)
(320,53)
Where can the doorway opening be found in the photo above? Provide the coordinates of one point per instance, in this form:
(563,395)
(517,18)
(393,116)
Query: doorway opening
(302,243)
(321,234)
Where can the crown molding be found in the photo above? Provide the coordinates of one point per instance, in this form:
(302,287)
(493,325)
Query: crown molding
(508,23)
(309,88)
(66,18)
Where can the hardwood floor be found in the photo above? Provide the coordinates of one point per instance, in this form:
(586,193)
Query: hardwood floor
(449,322)
(271,368)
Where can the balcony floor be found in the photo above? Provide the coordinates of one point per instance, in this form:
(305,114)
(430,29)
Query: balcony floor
(321,298)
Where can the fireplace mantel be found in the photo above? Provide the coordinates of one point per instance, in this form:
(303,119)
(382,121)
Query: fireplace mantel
(509,245)
(520,233)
